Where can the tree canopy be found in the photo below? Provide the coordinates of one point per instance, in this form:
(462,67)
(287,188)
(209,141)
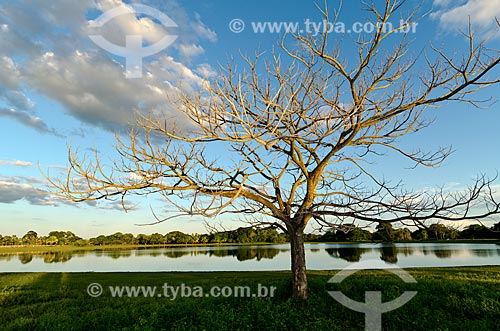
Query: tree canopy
(297,126)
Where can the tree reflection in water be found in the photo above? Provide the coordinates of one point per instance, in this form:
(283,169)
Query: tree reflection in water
(481,252)
(350,254)
(443,253)
(117,253)
(241,253)
(55,257)
(25,258)
(48,257)
(389,254)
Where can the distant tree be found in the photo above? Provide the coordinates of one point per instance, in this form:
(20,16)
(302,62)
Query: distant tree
(157,239)
(142,239)
(128,239)
(311,237)
(11,240)
(30,238)
(477,231)
(114,239)
(358,234)
(420,234)
(81,243)
(437,231)
(218,237)
(329,235)
(195,237)
(385,232)
(242,236)
(52,240)
(98,241)
(204,239)
(402,235)
(64,237)
(496,230)
(268,235)
(71,237)
(178,237)
(57,234)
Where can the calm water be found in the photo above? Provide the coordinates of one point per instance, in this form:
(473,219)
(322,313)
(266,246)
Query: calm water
(241,258)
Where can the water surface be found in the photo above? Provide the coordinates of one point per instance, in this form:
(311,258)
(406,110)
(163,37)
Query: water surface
(252,258)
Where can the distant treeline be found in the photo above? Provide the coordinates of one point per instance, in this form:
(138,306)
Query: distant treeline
(241,235)
(384,232)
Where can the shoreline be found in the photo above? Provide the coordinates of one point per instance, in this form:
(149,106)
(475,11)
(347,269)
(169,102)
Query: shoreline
(41,249)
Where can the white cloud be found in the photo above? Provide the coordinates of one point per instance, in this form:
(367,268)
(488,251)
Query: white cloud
(205,70)
(443,3)
(17,188)
(9,74)
(45,49)
(190,51)
(13,189)
(17,163)
(454,15)
(10,90)
(116,29)
(94,89)
(28,120)
(204,31)
(118,205)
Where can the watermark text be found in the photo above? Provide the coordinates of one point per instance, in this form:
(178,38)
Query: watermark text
(313,28)
(173,292)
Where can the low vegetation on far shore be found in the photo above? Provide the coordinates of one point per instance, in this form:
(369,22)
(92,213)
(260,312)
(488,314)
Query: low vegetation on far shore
(249,235)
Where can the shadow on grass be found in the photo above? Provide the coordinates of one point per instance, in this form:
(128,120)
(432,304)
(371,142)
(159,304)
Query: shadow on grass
(447,299)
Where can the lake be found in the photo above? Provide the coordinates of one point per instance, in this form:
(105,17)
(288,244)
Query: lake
(252,258)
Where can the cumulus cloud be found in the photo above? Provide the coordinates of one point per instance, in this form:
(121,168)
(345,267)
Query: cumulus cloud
(119,205)
(16,163)
(203,30)
(190,51)
(117,28)
(45,50)
(454,15)
(18,188)
(13,189)
(10,90)
(28,120)
(205,70)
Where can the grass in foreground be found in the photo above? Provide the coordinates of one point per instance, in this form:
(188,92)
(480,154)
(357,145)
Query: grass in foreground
(448,299)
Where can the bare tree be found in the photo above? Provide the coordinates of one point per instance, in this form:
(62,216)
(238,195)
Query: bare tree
(286,141)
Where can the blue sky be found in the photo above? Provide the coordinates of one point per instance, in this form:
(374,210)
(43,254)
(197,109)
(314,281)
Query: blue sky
(58,88)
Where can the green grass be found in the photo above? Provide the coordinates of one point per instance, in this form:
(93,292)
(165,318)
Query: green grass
(465,298)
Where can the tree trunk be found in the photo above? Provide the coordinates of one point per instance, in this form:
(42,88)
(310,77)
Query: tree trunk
(298,254)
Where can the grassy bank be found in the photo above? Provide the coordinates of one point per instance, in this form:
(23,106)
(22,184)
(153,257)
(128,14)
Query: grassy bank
(448,299)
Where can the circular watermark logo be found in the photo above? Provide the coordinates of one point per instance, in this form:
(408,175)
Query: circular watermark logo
(237,25)
(94,290)
(373,307)
(133,51)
